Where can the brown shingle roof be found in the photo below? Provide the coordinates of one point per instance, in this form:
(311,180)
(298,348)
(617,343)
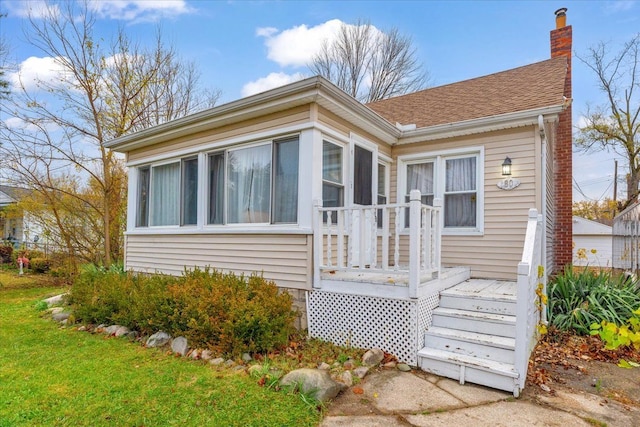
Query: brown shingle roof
(524,88)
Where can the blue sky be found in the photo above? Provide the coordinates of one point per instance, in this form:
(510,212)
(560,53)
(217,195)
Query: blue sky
(242,47)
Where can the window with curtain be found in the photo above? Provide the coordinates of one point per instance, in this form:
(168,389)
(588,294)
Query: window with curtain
(216,189)
(257,184)
(142,215)
(285,181)
(460,193)
(168,194)
(383,191)
(165,194)
(189,191)
(452,178)
(332,180)
(420,176)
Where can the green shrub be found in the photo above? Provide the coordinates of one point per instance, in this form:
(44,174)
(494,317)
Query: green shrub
(40,265)
(579,299)
(5,253)
(228,313)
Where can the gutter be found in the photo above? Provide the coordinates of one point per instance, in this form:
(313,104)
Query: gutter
(480,125)
(314,89)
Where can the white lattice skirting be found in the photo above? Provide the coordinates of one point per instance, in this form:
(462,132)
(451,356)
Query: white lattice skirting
(394,325)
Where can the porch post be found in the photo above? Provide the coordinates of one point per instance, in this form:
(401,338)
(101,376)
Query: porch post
(414,242)
(317,243)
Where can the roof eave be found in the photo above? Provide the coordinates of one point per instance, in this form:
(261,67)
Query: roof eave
(480,125)
(314,89)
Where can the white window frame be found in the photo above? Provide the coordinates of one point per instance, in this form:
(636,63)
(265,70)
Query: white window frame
(439,158)
(252,225)
(345,178)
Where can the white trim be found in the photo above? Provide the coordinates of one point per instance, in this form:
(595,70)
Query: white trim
(355,139)
(224,144)
(439,158)
(220,229)
(480,125)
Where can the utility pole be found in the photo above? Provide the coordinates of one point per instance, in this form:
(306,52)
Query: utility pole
(615,180)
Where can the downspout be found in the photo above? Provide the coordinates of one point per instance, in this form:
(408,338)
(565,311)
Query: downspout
(543,141)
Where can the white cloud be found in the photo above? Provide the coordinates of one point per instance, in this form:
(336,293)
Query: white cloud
(18,123)
(34,71)
(620,6)
(266,31)
(139,10)
(271,81)
(36,8)
(296,46)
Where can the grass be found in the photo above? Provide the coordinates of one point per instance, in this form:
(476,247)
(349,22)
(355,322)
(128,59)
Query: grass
(57,376)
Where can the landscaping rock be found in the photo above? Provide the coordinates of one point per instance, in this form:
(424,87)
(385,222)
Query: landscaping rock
(246,357)
(217,361)
(229,363)
(56,310)
(121,331)
(255,369)
(347,378)
(315,382)
(132,335)
(206,354)
(158,339)
(55,300)
(403,367)
(361,371)
(391,364)
(349,364)
(110,330)
(82,328)
(373,357)
(324,366)
(179,346)
(59,317)
(195,354)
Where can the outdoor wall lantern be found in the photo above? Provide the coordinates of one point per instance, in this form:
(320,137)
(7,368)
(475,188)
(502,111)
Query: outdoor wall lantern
(507,183)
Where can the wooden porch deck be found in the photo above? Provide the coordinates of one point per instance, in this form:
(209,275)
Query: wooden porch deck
(487,288)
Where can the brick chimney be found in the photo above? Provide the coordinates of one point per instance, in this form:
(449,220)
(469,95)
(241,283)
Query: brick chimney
(561,43)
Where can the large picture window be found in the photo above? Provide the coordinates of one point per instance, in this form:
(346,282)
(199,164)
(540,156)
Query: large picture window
(255,184)
(453,178)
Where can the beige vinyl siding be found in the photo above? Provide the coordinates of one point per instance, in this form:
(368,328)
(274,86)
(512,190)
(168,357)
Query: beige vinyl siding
(285,259)
(496,253)
(345,128)
(294,116)
(551,197)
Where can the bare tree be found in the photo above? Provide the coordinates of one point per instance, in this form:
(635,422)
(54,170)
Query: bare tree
(4,51)
(370,64)
(615,125)
(58,131)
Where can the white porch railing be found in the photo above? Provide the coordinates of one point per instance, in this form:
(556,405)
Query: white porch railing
(528,309)
(369,239)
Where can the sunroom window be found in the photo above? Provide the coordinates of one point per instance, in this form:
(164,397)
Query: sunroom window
(168,194)
(255,184)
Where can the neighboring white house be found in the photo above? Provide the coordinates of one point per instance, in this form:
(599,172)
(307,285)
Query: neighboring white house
(593,243)
(17,228)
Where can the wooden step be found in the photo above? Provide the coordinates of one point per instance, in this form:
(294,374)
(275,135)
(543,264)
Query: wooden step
(475,321)
(504,305)
(464,368)
(484,346)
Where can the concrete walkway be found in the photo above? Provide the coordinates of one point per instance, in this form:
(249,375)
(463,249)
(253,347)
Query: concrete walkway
(394,398)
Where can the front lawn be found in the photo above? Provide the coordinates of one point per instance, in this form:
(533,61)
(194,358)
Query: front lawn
(55,376)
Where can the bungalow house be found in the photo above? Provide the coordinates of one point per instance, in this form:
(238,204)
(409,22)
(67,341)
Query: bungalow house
(415,224)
